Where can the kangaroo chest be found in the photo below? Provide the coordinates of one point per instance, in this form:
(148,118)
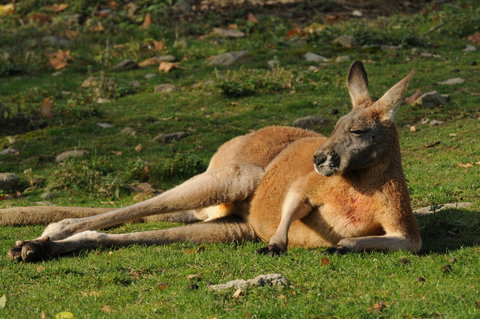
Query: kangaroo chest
(349,214)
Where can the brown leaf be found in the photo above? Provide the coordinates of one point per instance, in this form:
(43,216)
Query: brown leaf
(46,108)
(167,66)
(147,62)
(40,268)
(465,165)
(106,308)
(58,59)
(147,21)
(474,38)
(7,9)
(71,34)
(43,315)
(413,97)
(138,148)
(325,261)
(57,7)
(98,27)
(116,153)
(377,307)
(162,286)
(294,32)
(251,18)
(157,45)
(40,17)
(112,5)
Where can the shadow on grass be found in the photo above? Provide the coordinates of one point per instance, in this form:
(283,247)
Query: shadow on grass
(449,230)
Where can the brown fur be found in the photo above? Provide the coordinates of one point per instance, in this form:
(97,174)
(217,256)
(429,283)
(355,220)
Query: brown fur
(264,185)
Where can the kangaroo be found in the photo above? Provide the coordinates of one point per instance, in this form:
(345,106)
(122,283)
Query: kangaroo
(282,185)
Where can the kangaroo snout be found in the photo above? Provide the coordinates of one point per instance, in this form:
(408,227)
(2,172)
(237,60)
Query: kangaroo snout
(325,163)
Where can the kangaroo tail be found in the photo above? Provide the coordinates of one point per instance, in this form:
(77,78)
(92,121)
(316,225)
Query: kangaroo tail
(44,215)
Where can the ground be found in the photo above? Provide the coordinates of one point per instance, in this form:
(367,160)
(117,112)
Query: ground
(77,100)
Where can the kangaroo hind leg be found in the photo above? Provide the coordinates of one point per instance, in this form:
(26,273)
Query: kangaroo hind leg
(226,229)
(229,183)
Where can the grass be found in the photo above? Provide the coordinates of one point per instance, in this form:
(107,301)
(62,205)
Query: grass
(152,282)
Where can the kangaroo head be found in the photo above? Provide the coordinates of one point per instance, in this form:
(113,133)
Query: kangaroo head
(363,136)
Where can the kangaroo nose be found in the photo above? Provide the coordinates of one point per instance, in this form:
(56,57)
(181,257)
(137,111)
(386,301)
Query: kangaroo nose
(319,159)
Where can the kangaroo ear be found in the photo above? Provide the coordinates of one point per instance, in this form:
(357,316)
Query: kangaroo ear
(389,102)
(357,83)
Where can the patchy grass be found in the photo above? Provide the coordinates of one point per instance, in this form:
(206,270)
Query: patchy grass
(152,281)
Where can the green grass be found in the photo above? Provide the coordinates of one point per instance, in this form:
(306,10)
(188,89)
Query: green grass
(151,282)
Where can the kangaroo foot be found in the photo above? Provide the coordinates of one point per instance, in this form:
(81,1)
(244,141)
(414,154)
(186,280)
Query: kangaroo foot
(336,250)
(31,251)
(272,250)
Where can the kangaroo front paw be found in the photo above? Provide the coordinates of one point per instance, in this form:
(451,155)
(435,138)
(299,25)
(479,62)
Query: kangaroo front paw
(31,251)
(272,250)
(336,250)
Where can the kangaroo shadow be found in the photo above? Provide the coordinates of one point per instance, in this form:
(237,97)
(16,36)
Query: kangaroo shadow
(449,229)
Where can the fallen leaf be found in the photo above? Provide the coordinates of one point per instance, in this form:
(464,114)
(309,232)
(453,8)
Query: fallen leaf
(112,5)
(294,32)
(106,308)
(7,9)
(40,268)
(465,165)
(3,302)
(64,315)
(412,128)
(167,66)
(157,45)
(138,148)
(40,17)
(282,296)
(147,21)
(313,28)
(413,97)
(162,286)
(378,307)
(43,315)
(46,108)
(332,18)
(58,59)
(474,38)
(325,261)
(116,153)
(57,7)
(251,18)
(71,34)
(98,27)
(147,62)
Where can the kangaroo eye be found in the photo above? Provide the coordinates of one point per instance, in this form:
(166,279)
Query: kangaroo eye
(358,131)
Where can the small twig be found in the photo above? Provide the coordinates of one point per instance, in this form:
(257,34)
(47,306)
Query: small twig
(435,28)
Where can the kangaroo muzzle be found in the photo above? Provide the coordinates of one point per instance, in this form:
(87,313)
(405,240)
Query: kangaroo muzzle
(326,163)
